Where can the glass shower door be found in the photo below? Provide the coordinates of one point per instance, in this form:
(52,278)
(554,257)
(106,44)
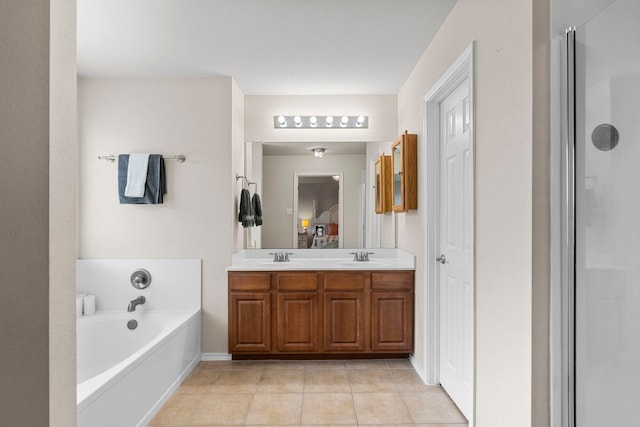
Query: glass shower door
(607,217)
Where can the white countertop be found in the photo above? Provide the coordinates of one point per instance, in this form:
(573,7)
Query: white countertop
(321,259)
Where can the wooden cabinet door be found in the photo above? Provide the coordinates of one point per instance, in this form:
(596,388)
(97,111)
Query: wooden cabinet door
(392,321)
(344,321)
(249,322)
(298,322)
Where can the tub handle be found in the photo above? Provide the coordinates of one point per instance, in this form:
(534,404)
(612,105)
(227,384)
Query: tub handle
(141,279)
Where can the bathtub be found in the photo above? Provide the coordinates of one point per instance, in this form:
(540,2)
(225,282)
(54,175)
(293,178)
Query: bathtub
(125,376)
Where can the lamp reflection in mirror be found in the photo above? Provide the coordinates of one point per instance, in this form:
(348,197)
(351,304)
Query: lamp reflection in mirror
(305,224)
(318,152)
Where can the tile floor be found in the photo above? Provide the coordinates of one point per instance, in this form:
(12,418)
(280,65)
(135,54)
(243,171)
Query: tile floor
(308,393)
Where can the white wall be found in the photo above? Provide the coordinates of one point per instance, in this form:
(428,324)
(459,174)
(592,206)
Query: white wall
(196,117)
(277,192)
(502,31)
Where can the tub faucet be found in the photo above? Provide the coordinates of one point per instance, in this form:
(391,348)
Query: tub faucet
(136,302)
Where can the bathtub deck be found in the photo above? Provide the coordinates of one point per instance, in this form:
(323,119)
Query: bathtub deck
(346,392)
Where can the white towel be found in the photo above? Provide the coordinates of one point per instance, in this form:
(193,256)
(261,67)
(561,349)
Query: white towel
(136,174)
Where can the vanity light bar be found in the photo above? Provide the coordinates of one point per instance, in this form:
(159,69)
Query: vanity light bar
(321,122)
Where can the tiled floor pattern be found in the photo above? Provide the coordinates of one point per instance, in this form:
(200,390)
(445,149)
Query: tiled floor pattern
(311,393)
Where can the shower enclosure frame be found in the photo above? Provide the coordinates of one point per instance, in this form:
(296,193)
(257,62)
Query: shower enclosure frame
(577,282)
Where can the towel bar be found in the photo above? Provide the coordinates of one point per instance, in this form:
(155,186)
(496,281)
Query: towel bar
(180,158)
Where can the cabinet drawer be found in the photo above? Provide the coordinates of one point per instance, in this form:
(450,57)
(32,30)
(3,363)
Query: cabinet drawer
(296,281)
(344,281)
(392,281)
(249,281)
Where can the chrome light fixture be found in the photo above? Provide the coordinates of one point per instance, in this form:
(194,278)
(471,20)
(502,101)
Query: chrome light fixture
(318,152)
(320,122)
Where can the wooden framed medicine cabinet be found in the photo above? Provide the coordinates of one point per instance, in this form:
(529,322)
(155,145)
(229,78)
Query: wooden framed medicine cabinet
(404,153)
(383,188)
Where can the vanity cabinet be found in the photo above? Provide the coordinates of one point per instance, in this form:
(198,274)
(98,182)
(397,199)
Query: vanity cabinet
(345,296)
(391,311)
(320,314)
(250,307)
(297,312)
(404,153)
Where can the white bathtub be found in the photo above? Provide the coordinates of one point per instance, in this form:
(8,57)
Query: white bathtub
(125,376)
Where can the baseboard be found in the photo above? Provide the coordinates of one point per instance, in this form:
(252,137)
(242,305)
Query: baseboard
(419,370)
(210,357)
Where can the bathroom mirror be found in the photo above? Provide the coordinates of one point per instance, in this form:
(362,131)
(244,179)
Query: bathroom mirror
(275,164)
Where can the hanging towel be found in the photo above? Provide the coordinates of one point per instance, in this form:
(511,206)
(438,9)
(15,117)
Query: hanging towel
(136,174)
(257,208)
(155,186)
(245,210)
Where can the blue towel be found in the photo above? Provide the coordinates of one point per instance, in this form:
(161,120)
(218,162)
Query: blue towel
(155,187)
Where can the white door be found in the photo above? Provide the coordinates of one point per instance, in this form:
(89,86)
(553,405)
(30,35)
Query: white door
(456,248)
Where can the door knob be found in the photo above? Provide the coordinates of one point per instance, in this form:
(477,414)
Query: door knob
(442,259)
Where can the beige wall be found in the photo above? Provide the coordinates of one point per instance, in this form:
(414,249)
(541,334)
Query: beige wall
(502,31)
(196,117)
(63,196)
(24,213)
(277,191)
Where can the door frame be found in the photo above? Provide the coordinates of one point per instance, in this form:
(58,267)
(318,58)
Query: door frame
(461,69)
(296,175)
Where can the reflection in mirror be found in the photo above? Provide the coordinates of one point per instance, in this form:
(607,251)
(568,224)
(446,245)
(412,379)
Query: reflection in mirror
(397,177)
(318,207)
(282,160)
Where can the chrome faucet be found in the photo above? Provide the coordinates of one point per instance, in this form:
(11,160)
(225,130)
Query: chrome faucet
(361,256)
(280,256)
(136,302)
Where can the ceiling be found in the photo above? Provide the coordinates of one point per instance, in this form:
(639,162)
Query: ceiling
(270,47)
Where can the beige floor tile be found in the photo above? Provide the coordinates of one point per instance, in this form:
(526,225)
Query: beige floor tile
(247,364)
(399,364)
(326,380)
(326,364)
(199,381)
(217,365)
(177,410)
(275,409)
(443,425)
(386,425)
(381,408)
(328,408)
(432,406)
(408,380)
(366,364)
(236,381)
(281,381)
(371,381)
(222,409)
(279,365)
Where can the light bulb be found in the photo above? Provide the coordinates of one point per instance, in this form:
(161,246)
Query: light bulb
(298,121)
(313,121)
(344,120)
(329,121)
(282,121)
(360,121)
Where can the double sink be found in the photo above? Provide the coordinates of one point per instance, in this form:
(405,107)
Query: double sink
(321,259)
